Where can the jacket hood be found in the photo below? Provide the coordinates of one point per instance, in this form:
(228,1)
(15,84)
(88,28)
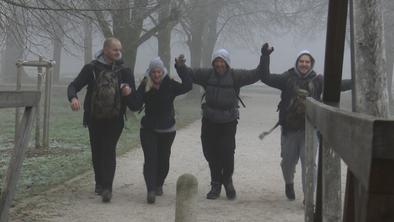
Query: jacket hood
(304,52)
(222,53)
(99,56)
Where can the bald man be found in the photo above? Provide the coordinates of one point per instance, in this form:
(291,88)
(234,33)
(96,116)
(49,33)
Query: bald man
(110,88)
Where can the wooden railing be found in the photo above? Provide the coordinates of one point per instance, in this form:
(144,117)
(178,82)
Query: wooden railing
(17,99)
(366,144)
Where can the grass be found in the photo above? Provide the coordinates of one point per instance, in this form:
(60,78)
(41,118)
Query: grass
(69,153)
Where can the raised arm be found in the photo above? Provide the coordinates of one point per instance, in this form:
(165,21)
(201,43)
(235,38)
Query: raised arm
(198,76)
(274,80)
(185,86)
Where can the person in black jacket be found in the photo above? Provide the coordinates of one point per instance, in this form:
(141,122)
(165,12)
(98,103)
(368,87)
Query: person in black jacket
(158,91)
(295,84)
(109,90)
(220,115)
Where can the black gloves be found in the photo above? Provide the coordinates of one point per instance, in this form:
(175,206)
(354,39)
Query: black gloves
(266,50)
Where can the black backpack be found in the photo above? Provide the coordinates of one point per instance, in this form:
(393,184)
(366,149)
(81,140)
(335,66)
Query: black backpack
(235,86)
(106,99)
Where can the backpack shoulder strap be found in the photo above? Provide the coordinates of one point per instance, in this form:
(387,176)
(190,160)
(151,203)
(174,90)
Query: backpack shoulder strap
(236,88)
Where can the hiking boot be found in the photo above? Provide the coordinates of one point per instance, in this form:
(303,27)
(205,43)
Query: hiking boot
(159,191)
(230,190)
(106,196)
(289,190)
(151,197)
(214,193)
(98,189)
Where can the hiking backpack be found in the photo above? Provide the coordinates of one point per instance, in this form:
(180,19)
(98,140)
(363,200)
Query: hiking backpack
(234,86)
(294,112)
(105,102)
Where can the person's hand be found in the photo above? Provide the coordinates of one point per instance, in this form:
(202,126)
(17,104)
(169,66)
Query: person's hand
(266,50)
(75,105)
(125,88)
(180,60)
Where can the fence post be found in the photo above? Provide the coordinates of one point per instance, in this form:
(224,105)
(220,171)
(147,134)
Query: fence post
(15,164)
(18,88)
(186,198)
(47,105)
(332,204)
(38,112)
(310,170)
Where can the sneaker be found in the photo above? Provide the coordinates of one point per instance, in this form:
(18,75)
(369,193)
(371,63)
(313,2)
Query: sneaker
(106,196)
(151,197)
(214,193)
(230,190)
(159,191)
(289,190)
(98,189)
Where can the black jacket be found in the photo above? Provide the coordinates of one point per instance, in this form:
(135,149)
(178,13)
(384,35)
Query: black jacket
(221,91)
(159,104)
(287,80)
(86,78)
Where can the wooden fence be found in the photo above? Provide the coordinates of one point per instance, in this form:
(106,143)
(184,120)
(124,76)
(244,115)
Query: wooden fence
(10,99)
(47,76)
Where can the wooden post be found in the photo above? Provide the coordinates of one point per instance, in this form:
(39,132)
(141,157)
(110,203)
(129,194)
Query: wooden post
(186,198)
(310,170)
(332,204)
(331,173)
(370,95)
(15,165)
(18,88)
(38,112)
(47,105)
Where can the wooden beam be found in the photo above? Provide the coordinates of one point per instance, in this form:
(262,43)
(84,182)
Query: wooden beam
(349,134)
(19,98)
(335,46)
(15,164)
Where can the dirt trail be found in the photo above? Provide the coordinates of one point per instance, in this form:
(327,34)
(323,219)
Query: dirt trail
(257,179)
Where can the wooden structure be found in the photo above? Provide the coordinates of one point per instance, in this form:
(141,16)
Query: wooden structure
(47,75)
(364,142)
(9,99)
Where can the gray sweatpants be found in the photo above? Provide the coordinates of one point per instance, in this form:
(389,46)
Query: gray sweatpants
(292,149)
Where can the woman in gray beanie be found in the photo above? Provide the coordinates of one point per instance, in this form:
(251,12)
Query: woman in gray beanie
(158,91)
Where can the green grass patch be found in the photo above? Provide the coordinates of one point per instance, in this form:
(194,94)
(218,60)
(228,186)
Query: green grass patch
(69,152)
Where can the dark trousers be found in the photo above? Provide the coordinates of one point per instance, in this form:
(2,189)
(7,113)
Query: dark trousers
(104,135)
(218,144)
(157,151)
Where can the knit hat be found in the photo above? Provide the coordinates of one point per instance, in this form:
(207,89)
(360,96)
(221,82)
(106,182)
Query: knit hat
(223,54)
(154,64)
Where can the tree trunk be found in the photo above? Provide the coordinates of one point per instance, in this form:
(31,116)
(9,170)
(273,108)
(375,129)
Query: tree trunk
(164,35)
(210,34)
(370,80)
(13,51)
(88,41)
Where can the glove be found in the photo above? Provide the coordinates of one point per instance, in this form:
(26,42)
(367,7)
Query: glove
(266,50)
(180,60)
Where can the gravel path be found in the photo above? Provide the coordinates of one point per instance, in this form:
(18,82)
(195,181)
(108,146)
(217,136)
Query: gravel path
(257,179)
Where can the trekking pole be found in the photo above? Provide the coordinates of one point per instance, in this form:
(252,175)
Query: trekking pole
(266,133)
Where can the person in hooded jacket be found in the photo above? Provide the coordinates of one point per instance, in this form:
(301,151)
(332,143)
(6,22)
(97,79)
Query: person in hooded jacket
(220,115)
(300,79)
(157,92)
(104,132)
